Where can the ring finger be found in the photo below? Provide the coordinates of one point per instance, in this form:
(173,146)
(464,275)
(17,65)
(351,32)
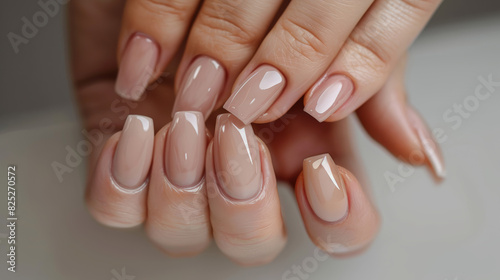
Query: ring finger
(293,55)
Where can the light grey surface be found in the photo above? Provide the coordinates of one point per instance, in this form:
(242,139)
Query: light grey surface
(428,232)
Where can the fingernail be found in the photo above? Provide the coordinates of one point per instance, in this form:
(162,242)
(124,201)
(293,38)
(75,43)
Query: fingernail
(201,86)
(325,189)
(137,67)
(256,94)
(185,149)
(134,152)
(431,149)
(328,96)
(236,158)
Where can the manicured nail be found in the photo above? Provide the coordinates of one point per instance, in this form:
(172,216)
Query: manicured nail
(134,152)
(201,86)
(236,158)
(431,149)
(328,96)
(137,67)
(185,149)
(257,93)
(325,189)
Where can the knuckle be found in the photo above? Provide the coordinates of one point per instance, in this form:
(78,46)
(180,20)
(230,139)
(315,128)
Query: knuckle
(173,229)
(302,40)
(222,19)
(250,238)
(112,217)
(368,52)
(177,9)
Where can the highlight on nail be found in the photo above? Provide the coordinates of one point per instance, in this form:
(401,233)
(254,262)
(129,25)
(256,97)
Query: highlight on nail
(237,158)
(134,152)
(256,94)
(430,147)
(328,96)
(185,149)
(325,188)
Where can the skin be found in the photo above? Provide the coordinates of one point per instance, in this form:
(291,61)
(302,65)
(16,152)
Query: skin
(94,27)
(304,40)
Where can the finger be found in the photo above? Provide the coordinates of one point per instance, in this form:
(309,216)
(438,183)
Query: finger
(244,204)
(368,57)
(223,38)
(338,215)
(395,125)
(293,55)
(178,217)
(116,195)
(152,31)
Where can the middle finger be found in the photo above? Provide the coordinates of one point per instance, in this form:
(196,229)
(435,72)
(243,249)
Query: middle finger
(223,38)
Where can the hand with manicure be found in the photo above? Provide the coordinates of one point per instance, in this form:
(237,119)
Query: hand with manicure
(192,173)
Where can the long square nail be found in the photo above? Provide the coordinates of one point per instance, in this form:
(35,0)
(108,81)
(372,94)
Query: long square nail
(256,94)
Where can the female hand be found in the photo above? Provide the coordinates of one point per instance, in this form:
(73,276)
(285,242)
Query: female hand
(258,58)
(176,217)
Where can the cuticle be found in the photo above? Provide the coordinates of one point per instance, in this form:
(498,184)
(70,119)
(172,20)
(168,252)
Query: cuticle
(118,186)
(255,198)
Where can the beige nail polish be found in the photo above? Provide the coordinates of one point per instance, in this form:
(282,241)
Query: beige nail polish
(137,67)
(324,188)
(236,158)
(431,149)
(134,152)
(328,96)
(202,84)
(185,149)
(257,93)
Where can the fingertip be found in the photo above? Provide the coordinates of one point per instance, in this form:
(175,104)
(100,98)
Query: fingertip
(178,215)
(393,123)
(138,67)
(348,235)
(109,203)
(249,231)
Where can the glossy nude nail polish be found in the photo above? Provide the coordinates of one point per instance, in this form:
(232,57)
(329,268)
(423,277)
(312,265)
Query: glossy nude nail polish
(326,97)
(257,93)
(324,188)
(236,158)
(202,84)
(134,152)
(185,149)
(431,149)
(137,67)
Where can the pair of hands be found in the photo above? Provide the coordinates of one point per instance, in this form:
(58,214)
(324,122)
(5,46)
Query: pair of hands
(341,55)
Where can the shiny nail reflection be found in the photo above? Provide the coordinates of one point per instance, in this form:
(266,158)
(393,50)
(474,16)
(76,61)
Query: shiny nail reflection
(185,149)
(328,96)
(134,152)
(431,149)
(237,158)
(325,188)
(257,93)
